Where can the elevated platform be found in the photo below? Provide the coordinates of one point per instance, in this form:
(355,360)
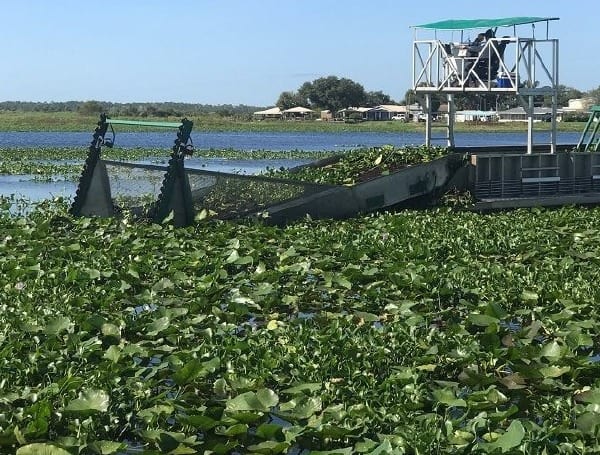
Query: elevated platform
(485,56)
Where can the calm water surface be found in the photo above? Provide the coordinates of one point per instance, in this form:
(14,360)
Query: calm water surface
(272,141)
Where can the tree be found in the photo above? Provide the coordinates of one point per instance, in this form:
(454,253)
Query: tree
(287,100)
(564,95)
(378,98)
(594,95)
(411,97)
(332,93)
(90,107)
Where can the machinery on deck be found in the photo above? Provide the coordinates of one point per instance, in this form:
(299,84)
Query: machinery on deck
(482,56)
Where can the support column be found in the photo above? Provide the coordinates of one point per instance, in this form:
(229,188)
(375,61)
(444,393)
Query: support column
(428,119)
(553,124)
(451,118)
(529,124)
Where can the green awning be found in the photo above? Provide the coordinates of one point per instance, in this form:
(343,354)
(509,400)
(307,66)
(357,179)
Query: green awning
(461,24)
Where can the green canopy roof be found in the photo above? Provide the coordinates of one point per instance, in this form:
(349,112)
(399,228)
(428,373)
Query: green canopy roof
(461,24)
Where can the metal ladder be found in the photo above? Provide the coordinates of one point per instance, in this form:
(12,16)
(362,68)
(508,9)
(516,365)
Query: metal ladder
(448,137)
(590,142)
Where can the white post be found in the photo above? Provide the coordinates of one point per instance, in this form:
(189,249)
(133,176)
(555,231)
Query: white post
(450,121)
(530,124)
(428,119)
(554,94)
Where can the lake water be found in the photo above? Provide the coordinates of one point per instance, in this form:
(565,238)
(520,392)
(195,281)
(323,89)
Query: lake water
(272,140)
(28,187)
(32,189)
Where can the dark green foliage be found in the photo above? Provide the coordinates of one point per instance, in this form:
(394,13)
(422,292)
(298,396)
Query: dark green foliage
(333,93)
(418,332)
(360,165)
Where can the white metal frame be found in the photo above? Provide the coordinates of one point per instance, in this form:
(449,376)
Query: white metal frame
(436,69)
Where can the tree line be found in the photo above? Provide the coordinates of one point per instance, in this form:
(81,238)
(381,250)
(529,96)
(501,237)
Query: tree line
(165,109)
(331,92)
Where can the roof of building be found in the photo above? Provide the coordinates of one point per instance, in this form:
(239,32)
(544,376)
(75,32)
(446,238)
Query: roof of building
(462,24)
(271,111)
(298,110)
(477,113)
(391,108)
(356,109)
(521,111)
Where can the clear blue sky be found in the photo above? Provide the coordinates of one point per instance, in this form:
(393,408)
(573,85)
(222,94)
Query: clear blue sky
(245,51)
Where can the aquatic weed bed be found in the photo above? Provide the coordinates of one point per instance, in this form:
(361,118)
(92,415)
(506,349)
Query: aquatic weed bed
(363,164)
(130,154)
(418,332)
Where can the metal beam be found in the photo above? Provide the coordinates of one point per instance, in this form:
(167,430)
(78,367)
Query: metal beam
(144,123)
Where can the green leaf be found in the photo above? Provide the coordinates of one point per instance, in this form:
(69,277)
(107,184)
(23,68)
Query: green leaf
(482,320)
(588,396)
(41,449)
(89,401)
(196,369)
(57,325)
(234,256)
(529,296)
(301,407)
(233,430)
(93,274)
(588,422)
(384,448)
(269,447)
(199,421)
(113,353)
(243,260)
(106,447)
(262,400)
(272,324)
(342,281)
(551,351)
(495,309)
(269,431)
(151,414)
(38,426)
(554,371)
(447,397)
(110,330)
(344,451)
(511,438)
(306,387)
(162,285)
(158,325)
(366,317)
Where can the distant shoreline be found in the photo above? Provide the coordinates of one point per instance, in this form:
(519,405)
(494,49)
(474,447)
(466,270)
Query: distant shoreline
(71,121)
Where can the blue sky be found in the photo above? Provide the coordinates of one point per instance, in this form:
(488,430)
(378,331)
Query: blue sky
(245,51)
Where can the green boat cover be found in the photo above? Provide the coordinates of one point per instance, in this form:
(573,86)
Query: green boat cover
(461,24)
